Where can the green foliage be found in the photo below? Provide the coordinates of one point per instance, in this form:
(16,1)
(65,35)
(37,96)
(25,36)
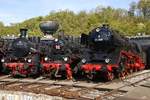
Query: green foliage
(126,22)
(144,7)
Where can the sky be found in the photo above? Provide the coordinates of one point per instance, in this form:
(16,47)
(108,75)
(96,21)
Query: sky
(14,11)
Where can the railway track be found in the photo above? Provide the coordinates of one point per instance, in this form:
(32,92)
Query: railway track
(80,90)
(128,84)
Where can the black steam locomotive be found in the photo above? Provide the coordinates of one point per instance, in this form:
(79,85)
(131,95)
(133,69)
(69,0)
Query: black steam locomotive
(107,54)
(22,56)
(57,59)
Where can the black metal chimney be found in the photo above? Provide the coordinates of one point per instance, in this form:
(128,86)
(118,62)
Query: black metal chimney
(23,32)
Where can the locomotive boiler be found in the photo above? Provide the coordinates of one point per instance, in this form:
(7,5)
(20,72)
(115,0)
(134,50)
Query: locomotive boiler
(107,54)
(22,58)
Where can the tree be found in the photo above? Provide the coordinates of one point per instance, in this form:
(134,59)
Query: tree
(82,22)
(1,24)
(144,6)
(132,9)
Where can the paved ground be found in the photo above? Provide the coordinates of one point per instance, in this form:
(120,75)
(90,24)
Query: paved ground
(139,93)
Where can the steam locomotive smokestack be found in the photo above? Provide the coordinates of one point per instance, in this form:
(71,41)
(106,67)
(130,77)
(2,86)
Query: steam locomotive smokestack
(23,32)
(105,26)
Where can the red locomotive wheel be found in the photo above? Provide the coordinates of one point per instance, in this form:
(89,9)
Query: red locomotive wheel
(122,75)
(90,76)
(110,76)
(130,71)
(127,72)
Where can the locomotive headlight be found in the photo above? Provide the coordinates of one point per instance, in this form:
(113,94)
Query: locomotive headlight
(56,40)
(46,58)
(2,60)
(65,58)
(83,60)
(29,60)
(107,60)
(25,59)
